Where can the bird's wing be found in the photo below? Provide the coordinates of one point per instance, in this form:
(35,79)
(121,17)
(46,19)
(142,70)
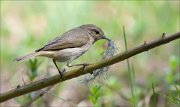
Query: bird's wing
(71,39)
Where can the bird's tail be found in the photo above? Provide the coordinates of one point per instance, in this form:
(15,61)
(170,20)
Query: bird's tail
(25,57)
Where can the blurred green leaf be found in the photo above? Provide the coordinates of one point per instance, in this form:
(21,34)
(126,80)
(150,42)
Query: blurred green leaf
(95,94)
(113,81)
(173,64)
(32,66)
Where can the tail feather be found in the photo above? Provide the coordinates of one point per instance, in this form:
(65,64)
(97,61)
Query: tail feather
(25,57)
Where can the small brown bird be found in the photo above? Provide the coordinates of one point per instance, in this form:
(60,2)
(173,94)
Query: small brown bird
(71,45)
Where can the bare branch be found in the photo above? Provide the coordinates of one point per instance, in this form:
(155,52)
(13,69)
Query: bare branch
(37,85)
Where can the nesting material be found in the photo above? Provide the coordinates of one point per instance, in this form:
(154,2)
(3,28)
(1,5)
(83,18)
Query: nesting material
(102,73)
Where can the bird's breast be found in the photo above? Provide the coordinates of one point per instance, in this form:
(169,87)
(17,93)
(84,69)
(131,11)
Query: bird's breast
(70,54)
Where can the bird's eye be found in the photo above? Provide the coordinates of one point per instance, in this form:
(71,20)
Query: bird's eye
(96,31)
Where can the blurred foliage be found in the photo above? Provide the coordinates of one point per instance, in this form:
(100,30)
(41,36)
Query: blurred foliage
(95,95)
(154,97)
(173,64)
(28,25)
(32,71)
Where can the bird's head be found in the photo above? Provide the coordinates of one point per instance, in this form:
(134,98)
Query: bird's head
(94,31)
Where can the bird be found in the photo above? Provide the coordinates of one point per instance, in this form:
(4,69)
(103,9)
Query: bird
(69,46)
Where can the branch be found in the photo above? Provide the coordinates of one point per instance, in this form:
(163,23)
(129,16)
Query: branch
(37,85)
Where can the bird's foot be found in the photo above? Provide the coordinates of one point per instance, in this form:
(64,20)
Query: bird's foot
(61,72)
(84,66)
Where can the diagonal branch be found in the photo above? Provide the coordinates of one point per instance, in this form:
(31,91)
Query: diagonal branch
(37,85)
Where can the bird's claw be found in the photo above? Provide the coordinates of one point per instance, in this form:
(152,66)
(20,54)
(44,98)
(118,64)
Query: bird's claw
(61,72)
(84,66)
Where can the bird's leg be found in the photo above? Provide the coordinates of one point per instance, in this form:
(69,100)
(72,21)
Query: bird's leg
(83,65)
(61,74)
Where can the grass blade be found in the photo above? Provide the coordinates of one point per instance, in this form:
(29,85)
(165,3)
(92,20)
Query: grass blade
(129,70)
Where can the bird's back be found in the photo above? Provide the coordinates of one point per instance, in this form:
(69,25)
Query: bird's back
(76,37)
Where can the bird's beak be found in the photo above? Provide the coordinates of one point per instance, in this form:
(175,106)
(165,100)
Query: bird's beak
(104,37)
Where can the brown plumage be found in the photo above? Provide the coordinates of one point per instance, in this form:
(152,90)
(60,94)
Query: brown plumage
(76,37)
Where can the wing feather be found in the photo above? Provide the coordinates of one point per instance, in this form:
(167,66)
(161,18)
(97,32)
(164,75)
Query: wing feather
(71,39)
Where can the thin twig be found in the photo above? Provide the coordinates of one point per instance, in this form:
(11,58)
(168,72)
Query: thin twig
(36,97)
(37,85)
(68,101)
